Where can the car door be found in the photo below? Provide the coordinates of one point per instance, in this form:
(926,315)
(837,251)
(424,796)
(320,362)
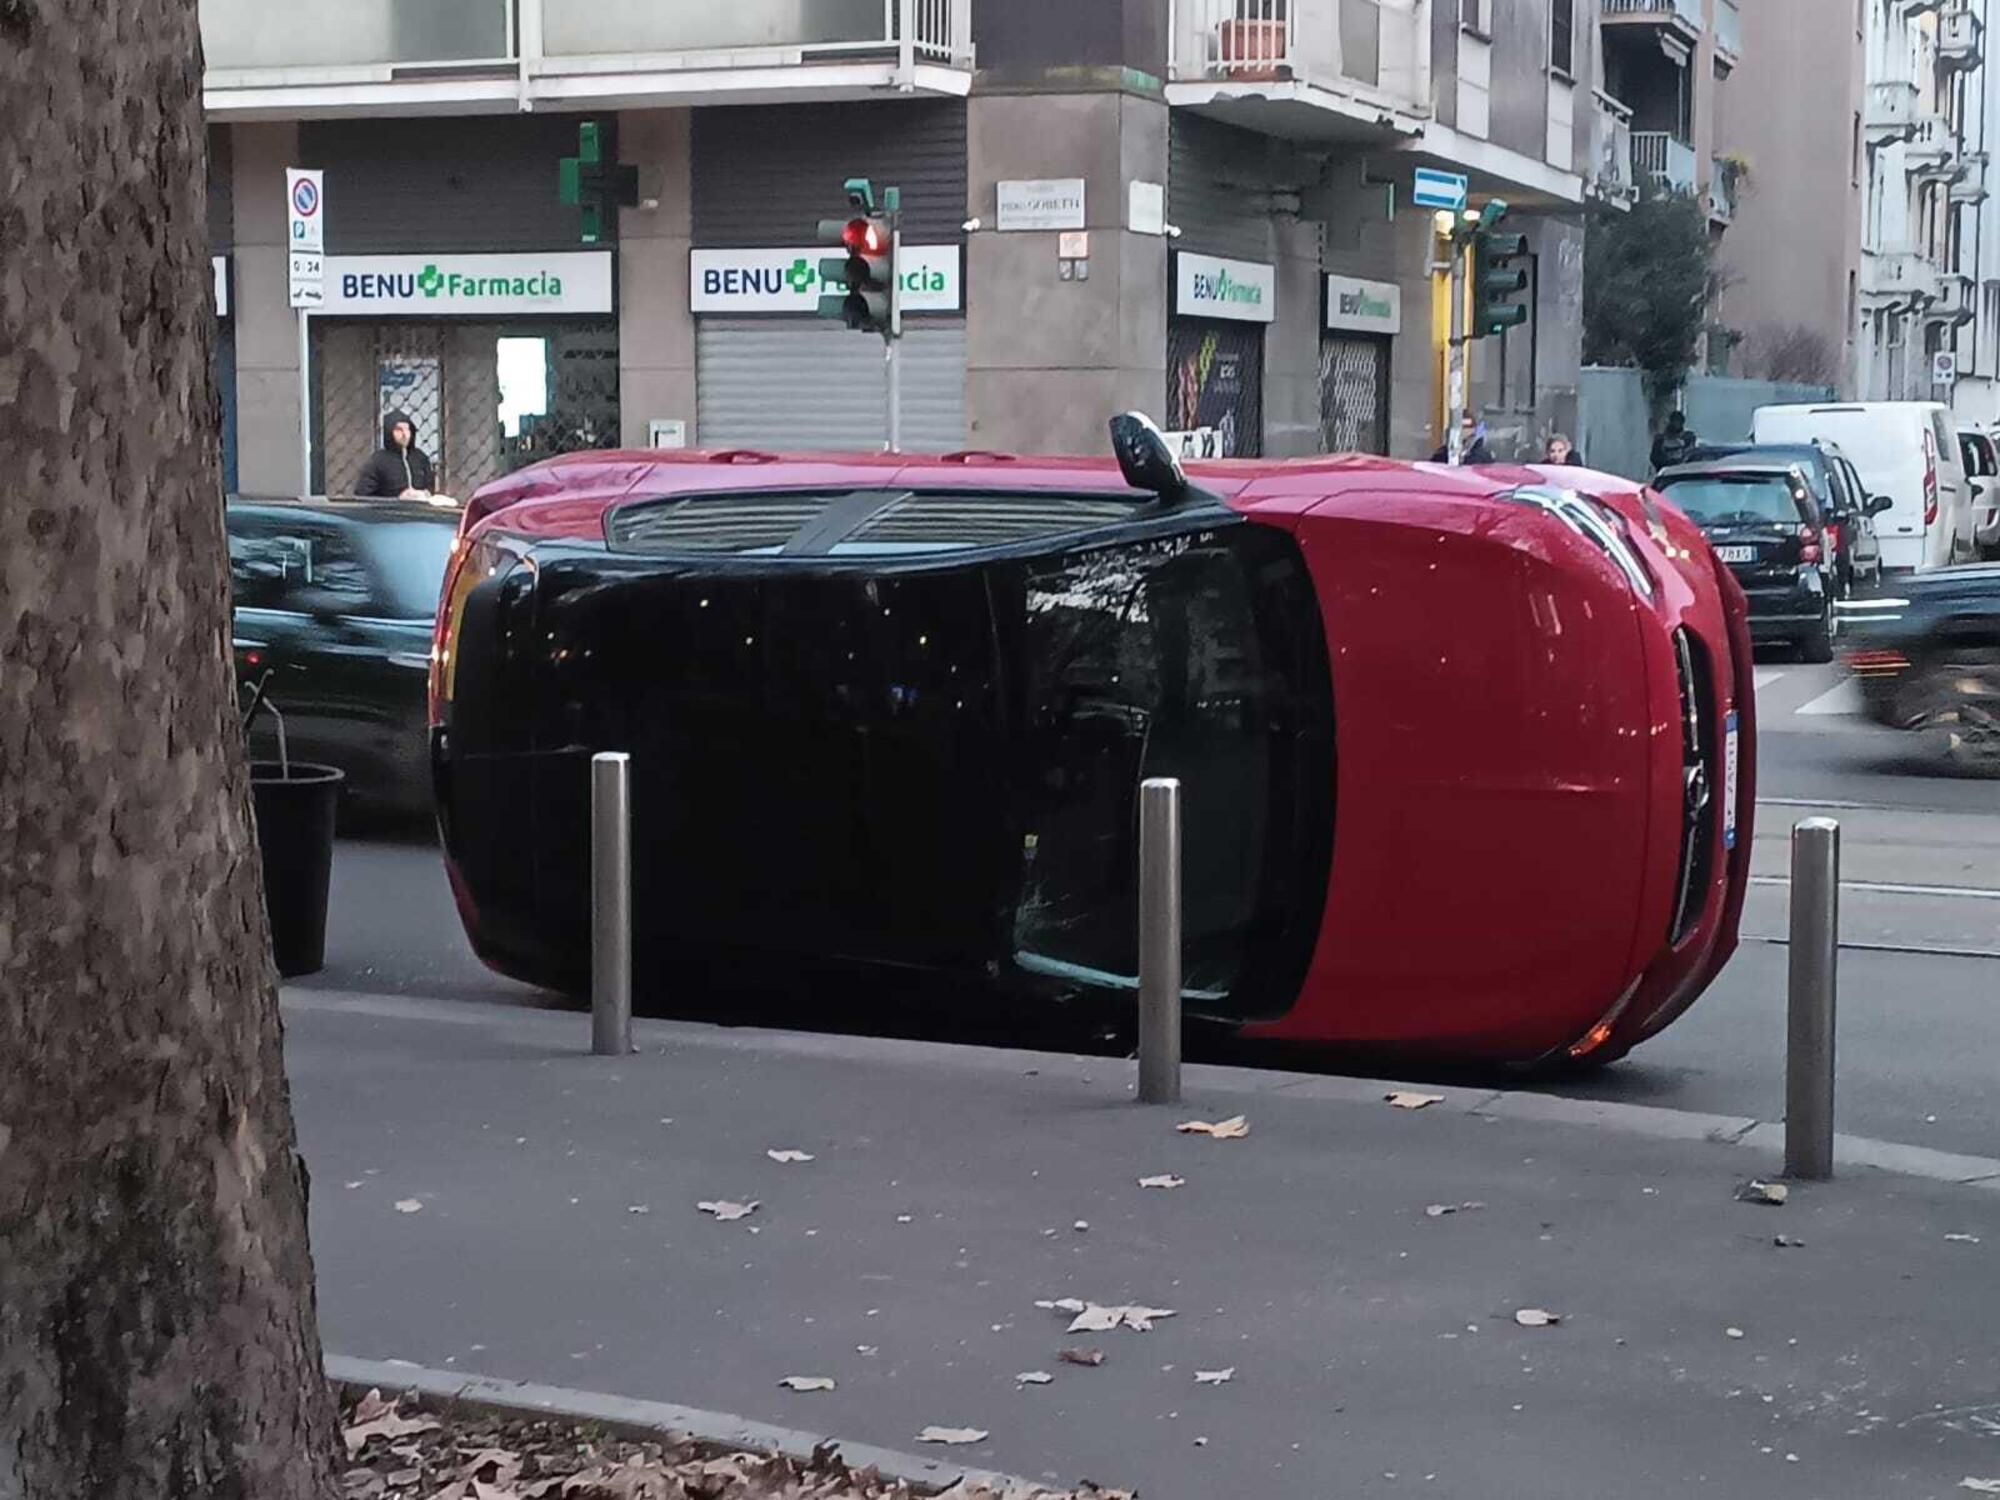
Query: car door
(1982,467)
(1864,548)
(1954,490)
(268,558)
(347,700)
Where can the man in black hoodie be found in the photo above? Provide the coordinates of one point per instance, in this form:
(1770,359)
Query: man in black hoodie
(400,468)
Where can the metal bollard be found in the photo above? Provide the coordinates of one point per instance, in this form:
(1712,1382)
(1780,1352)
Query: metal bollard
(1815,944)
(611,904)
(1160,941)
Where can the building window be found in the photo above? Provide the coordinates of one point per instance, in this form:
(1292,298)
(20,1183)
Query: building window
(1476,16)
(1854,152)
(1562,37)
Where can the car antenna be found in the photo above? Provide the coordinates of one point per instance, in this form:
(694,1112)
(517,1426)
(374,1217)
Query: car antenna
(1148,461)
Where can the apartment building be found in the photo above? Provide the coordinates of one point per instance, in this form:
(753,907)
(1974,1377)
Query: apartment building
(1855,258)
(1265,146)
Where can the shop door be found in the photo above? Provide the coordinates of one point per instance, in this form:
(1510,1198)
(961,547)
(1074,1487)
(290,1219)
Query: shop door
(1354,394)
(783,385)
(1215,378)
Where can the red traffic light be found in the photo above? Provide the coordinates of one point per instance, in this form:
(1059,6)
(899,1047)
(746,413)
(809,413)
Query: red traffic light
(864,237)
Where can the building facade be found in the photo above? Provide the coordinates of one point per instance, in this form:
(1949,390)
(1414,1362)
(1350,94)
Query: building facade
(1862,254)
(1198,208)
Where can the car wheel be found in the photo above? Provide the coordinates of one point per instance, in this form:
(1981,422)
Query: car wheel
(1817,644)
(1959,718)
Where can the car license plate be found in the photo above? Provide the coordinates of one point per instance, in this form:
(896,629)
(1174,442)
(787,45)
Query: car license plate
(1729,781)
(1737,554)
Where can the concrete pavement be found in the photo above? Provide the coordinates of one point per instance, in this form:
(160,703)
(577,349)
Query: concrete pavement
(1375,1347)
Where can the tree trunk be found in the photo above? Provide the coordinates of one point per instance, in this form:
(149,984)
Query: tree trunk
(157,1333)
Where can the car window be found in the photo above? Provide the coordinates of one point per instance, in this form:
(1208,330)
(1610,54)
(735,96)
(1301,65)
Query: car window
(303,564)
(1942,430)
(1977,451)
(1715,499)
(265,562)
(410,558)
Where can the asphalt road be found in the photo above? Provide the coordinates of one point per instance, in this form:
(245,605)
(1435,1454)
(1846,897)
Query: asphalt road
(1920,1017)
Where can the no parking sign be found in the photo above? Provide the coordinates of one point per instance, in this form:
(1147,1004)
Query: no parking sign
(305,216)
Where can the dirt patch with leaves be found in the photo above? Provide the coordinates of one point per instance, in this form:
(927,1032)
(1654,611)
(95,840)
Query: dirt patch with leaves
(403,1448)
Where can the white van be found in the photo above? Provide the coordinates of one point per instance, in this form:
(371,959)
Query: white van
(1905,450)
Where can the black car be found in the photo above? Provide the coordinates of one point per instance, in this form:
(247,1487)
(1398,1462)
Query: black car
(1928,660)
(336,603)
(1762,520)
(1837,490)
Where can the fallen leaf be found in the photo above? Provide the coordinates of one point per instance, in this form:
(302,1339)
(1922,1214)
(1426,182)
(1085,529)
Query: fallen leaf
(1980,1486)
(1963,1239)
(357,1184)
(807,1382)
(371,1406)
(638,1208)
(1787,1241)
(1757,1191)
(1215,1377)
(954,1435)
(1089,1358)
(1164,1180)
(1537,1317)
(1232,1129)
(726,1211)
(1098,1319)
(1734,1333)
(389,1425)
(409,1205)
(1034,1377)
(1404,1099)
(789,1155)
(1062,1304)
(1081,1226)
(903,1218)
(402,1476)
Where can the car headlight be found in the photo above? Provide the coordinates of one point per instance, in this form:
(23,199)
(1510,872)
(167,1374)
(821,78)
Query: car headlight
(1588,522)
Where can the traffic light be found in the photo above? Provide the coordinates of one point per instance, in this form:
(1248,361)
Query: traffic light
(1499,275)
(865,265)
(585,182)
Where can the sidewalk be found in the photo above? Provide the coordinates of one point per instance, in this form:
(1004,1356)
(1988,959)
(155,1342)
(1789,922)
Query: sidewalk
(1375,1348)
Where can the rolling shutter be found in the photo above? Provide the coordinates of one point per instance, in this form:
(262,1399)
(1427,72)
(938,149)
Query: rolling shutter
(784,385)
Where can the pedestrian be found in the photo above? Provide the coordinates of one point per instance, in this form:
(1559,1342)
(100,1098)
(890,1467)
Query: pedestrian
(399,467)
(1472,447)
(1561,451)
(1674,446)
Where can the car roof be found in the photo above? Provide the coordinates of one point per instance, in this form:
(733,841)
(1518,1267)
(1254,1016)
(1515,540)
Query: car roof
(1714,466)
(568,493)
(360,508)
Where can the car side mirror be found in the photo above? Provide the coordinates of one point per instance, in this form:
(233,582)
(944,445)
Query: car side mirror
(1875,505)
(1144,457)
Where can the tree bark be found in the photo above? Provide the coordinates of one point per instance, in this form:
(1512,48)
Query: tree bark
(157,1332)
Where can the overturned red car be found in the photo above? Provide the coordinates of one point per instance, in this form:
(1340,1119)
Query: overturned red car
(1466,755)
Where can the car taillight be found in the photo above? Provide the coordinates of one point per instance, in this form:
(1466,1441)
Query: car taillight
(1808,545)
(472,563)
(1930,483)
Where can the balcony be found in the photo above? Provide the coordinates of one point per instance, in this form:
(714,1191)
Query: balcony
(1722,189)
(1969,187)
(1303,69)
(336,57)
(1956,302)
(1890,112)
(1960,37)
(1663,163)
(1611,174)
(1898,280)
(1684,15)
(1931,153)
(1728,33)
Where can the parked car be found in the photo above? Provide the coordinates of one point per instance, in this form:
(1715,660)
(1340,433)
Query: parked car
(1928,661)
(1839,493)
(1762,520)
(336,601)
(1906,450)
(1982,466)
(894,712)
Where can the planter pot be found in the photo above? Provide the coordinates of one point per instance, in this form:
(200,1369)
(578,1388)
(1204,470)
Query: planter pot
(295,817)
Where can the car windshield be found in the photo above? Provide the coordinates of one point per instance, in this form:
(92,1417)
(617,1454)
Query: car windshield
(413,556)
(1715,499)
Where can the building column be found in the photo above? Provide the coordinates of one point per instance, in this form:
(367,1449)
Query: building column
(1292,424)
(1049,361)
(267,336)
(656,365)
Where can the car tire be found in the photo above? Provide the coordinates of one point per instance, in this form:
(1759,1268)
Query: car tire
(1959,717)
(1816,645)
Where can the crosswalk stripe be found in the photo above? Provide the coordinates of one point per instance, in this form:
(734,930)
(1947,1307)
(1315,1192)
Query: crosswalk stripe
(1844,699)
(1764,676)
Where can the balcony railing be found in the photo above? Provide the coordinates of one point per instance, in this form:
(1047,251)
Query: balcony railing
(1898,276)
(1663,162)
(1931,153)
(1960,36)
(1611,175)
(1722,187)
(1955,299)
(1728,31)
(1685,12)
(1890,111)
(1970,185)
(313,44)
(1375,49)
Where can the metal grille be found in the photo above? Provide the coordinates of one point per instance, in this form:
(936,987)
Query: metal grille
(715,523)
(1354,395)
(1215,379)
(948,520)
(791,386)
(446,376)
